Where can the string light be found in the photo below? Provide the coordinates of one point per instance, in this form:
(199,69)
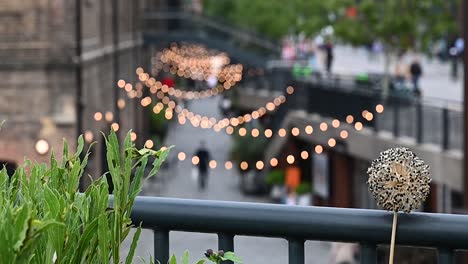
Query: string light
(244,165)
(98,116)
(290,159)
(332,142)
(228,165)
(115,127)
(344,134)
(149,144)
(304,154)
(195,160)
(88,136)
(309,129)
(213,164)
(295,131)
(274,162)
(181,156)
(259,165)
(133,136)
(318,149)
(323,126)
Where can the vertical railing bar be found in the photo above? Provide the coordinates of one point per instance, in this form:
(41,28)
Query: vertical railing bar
(226,243)
(445,128)
(296,251)
(396,118)
(368,253)
(445,256)
(161,245)
(419,123)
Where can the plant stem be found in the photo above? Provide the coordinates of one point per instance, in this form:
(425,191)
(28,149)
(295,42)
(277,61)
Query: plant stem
(392,243)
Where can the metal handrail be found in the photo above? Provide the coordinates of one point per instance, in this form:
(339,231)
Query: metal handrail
(298,224)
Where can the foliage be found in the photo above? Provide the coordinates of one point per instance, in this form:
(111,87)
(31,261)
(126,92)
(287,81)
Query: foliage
(275,177)
(417,22)
(214,257)
(272,18)
(158,124)
(46,220)
(304,188)
(398,24)
(248,148)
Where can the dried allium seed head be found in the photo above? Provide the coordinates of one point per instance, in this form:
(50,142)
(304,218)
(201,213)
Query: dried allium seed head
(399,180)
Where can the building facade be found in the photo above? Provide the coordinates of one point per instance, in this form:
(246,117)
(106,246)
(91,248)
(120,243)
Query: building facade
(38,69)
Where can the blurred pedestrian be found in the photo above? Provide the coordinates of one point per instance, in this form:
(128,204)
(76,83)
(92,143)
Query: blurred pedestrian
(329,55)
(416,73)
(344,253)
(204,158)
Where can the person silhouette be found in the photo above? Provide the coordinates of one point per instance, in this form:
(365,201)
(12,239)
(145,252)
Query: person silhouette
(204,158)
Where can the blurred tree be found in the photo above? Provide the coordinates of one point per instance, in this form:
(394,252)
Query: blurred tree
(275,19)
(399,25)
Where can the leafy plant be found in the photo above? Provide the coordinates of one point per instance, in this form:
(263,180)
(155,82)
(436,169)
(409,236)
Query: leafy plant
(275,177)
(212,256)
(303,188)
(46,220)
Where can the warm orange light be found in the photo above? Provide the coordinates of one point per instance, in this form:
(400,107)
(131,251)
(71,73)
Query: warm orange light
(213,164)
(242,132)
(268,133)
(133,136)
(88,136)
(228,165)
(149,143)
(295,131)
(369,116)
(128,87)
(358,126)
(121,103)
(115,127)
(109,116)
(121,83)
(318,149)
(259,165)
(336,123)
(332,142)
(42,146)
(244,165)
(229,130)
(349,119)
(282,132)
(139,70)
(304,154)
(195,160)
(181,156)
(255,133)
(290,159)
(379,108)
(290,90)
(344,134)
(274,162)
(309,130)
(98,116)
(323,126)
(270,106)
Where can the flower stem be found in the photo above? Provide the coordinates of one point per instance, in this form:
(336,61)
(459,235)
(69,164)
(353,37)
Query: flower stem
(392,244)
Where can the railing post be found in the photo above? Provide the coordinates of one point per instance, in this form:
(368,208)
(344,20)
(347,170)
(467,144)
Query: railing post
(445,129)
(161,245)
(226,243)
(368,253)
(445,256)
(396,119)
(296,251)
(419,123)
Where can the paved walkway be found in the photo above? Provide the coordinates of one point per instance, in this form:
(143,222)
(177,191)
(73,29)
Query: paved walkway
(436,81)
(222,185)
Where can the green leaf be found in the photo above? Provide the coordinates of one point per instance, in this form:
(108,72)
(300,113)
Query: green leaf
(133,246)
(185,257)
(173,260)
(202,261)
(232,257)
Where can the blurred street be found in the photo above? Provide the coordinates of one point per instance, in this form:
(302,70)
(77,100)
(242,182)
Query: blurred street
(176,181)
(436,81)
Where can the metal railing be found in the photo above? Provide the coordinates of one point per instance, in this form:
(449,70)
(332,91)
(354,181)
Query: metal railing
(297,224)
(424,120)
